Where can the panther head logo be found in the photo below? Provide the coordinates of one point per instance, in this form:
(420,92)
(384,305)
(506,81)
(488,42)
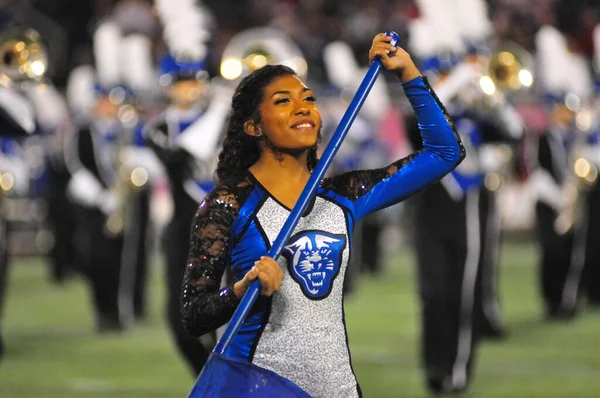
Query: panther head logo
(314,259)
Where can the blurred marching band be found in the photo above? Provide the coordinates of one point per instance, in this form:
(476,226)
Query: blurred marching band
(112,113)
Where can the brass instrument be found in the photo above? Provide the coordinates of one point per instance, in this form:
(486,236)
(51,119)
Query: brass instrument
(256,47)
(499,76)
(508,69)
(582,174)
(22,55)
(127,181)
(22,58)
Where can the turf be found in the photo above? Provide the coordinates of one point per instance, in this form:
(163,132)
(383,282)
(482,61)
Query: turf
(53,352)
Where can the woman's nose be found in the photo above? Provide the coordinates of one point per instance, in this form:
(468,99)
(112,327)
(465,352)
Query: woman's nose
(302,110)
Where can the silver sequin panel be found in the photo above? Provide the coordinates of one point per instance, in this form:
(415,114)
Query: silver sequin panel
(304,340)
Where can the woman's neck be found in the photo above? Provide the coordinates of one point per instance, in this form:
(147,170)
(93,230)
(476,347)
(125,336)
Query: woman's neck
(284,176)
(282,166)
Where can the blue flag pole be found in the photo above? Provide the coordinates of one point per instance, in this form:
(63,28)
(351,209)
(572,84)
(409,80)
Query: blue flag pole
(305,197)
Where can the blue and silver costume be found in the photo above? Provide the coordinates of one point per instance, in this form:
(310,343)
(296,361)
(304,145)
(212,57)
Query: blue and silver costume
(300,331)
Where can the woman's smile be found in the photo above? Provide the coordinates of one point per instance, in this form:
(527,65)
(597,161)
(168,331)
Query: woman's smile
(304,125)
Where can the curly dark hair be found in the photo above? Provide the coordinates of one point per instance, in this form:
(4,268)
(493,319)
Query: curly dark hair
(241,150)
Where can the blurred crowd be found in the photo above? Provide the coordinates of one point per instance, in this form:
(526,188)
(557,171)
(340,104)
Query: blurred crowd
(67,25)
(112,111)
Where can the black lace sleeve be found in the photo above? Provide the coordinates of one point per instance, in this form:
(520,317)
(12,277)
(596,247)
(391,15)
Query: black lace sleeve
(204,306)
(354,184)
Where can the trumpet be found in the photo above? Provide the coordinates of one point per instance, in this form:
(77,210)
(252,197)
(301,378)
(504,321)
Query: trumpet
(585,175)
(584,161)
(256,47)
(22,55)
(509,69)
(485,81)
(127,181)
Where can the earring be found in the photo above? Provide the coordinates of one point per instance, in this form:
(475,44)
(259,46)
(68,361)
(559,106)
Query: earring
(258,133)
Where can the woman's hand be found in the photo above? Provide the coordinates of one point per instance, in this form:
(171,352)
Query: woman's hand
(268,271)
(393,58)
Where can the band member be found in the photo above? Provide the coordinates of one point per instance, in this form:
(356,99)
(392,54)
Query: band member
(591,153)
(502,71)
(29,113)
(450,217)
(17,119)
(185,137)
(95,187)
(142,169)
(561,225)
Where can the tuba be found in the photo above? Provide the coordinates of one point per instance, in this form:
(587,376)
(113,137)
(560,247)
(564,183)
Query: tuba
(254,48)
(508,70)
(22,55)
(486,82)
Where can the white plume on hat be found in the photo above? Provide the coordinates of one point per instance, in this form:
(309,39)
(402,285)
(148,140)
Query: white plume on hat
(471,19)
(107,54)
(438,15)
(422,38)
(559,70)
(596,39)
(80,91)
(343,71)
(136,62)
(340,63)
(580,77)
(185,28)
(552,56)
(434,33)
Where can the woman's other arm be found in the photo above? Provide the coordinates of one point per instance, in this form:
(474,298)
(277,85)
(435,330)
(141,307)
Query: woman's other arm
(372,190)
(205,307)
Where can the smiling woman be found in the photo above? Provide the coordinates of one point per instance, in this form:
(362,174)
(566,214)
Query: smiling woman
(267,158)
(262,118)
(290,117)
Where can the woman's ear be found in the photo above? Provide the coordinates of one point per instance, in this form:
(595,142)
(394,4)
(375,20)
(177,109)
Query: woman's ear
(252,129)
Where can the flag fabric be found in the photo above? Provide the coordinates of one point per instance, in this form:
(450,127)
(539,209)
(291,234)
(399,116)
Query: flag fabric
(225,377)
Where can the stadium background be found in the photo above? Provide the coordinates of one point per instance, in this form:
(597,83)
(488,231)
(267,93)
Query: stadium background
(53,352)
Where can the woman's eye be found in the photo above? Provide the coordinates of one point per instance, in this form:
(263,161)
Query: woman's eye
(310,98)
(281,100)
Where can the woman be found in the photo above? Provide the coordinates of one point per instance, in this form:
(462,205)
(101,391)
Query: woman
(268,155)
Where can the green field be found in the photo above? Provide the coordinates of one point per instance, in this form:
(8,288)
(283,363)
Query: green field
(53,352)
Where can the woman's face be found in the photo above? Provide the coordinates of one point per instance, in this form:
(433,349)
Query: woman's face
(289,115)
